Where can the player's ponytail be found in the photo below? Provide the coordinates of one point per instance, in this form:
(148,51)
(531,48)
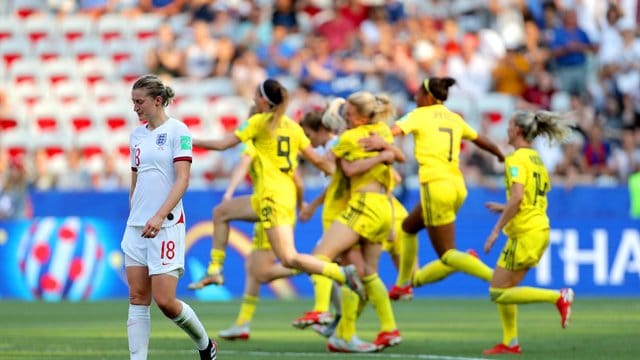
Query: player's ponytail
(438,88)
(278,98)
(332,117)
(154,87)
(555,126)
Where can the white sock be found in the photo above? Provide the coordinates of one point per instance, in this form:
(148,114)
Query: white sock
(138,331)
(336,298)
(188,321)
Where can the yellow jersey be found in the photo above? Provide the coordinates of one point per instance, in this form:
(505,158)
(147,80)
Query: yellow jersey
(349,148)
(276,150)
(336,197)
(438,133)
(250,151)
(524,166)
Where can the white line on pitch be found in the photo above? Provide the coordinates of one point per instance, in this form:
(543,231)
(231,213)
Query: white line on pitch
(386,355)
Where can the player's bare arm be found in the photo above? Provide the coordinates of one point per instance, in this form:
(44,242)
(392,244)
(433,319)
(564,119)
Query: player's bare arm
(508,212)
(375,142)
(226,142)
(318,161)
(357,167)
(485,144)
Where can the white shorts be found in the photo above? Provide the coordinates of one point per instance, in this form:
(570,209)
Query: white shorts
(161,254)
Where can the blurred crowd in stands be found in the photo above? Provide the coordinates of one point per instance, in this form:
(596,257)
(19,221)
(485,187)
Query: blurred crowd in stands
(576,56)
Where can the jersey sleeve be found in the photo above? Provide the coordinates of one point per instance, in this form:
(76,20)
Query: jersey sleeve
(516,169)
(249,130)
(181,144)
(132,154)
(248,149)
(343,147)
(468,132)
(304,140)
(407,123)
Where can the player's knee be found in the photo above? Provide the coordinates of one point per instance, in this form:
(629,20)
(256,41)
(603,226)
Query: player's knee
(290,260)
(494,294)
(219,213)
(167,305)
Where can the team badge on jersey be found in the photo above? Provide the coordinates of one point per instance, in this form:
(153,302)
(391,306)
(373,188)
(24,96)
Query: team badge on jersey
(161,139)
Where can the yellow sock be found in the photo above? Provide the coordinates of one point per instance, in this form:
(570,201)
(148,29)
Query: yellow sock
(468,264)
(333,271)
(247,308)
(217,260)
(523,295)
(321,292)
(377,294)
(408,251)
(432,272)
(350,301)
(509,318)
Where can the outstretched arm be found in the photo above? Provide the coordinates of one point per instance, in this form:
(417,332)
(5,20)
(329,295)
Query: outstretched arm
(317,160)
(487,145)
(239,172)
(226,142)
(509,210)
(307,211)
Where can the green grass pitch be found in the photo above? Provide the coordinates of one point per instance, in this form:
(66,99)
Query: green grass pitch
(441,328)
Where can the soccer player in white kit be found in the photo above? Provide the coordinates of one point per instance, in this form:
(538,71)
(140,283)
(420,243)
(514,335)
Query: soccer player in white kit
(154,240)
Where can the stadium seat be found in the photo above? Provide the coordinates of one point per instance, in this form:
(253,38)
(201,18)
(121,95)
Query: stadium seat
(47,118)
(79,119)
(184,90)
(25,71)
(495,110)
(70,92)
(115,118)
(194,113)
(465,107)
(145,27)
(74,28)
(108,92)
(11,28)
(92,146)
(118,51)
(28,94)
(85,48)
(51,49)
(59,71)
(14,49)
(112,27)
(17,142)
(215,87)
(97,70)
(228,113)
(39,28)
(25,8)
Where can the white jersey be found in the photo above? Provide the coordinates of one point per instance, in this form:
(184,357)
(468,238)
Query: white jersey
(152,156)
(322,150)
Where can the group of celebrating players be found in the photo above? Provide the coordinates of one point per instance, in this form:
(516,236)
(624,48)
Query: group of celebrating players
(360,215)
